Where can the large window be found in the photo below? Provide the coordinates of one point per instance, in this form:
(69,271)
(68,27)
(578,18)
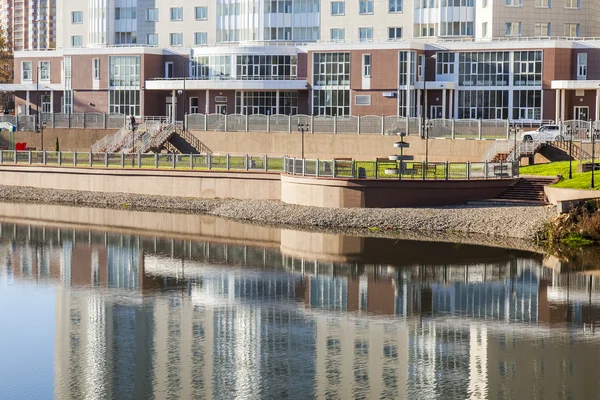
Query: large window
(456,28)
(266,103)
(266,67)
(365,34)
(212,67)
(571,30)
(201,13)
(395,6)
(365,7)
(331,79)
(527,104)
(176,13)
(152,14)
(445,63)
(483,104)
(338,34)
(44,70)
(484,68)
(124,93)
(77,17)
(528,68)
(27,71)
(337,8)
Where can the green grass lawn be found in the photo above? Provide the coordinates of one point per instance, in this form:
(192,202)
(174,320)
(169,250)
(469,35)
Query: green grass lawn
(579,181)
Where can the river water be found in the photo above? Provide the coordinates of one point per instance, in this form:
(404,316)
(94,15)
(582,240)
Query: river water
(242,312)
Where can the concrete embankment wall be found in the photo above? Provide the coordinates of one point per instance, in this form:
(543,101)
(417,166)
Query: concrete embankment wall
(327,146)
(246,185)
(68,139)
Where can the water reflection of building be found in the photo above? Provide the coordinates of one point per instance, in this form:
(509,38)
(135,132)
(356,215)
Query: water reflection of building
(188,319)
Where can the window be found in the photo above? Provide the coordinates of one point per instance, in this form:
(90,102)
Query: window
(332,70)
(122,13)
(152,14)
(527,68)
(513,29)
(175,39)
(365,7)
(77,17)
(362,100)
(27,70)
(395,6)
(177,14)
(571,30)
(542,29)
(514,3)
(366,67)
(96,69)
(337,8)
(338,34)
(572,4)
(582,66)
(365,34)
(421,66)
(201,13)
(200,38)
(543,3)
(445,63)
(76,41)
(484,29)
(152,39)
(394,33)
(44,70)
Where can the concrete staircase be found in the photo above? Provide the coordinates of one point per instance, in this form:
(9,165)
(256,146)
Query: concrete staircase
(529,189)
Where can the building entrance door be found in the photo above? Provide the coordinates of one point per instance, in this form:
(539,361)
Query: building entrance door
(221,109)
(582,113)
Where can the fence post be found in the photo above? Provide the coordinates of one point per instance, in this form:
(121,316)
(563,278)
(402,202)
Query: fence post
(44,158)
(84,121)
(124,120)
(358,124)
(225,122)
(453,128)
(508,130)
(209,161)
(246,163)
(294,167)
(34,123)
(246,122)
(423,166)
(408,126)
(122,160)
(268,123)
(91,159)
(69,120)
(485,169)
(185,121)
(479,128)
(447,169)
(75,158)
(155,160)
(174,158)
(317,169)
(1,156)
(59,158)
(468,170)
(266,162)
(205,122)
(303,166)
(106,160)
(312,123)
(382,124)
(104,118)
(191,161)
(335,124)
(139,159)
(29,156)
(227,162)
(376,168)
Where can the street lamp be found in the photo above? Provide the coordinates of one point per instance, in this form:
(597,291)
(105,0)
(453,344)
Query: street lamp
(179,92)
(303,128)
(424,127)
(570,133)
(42,126)
(593,156)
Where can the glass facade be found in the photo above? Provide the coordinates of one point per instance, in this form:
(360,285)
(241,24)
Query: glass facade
(124,78)
(266,67)
(67,101)
(331,79)
(212,67)
(266,103)
(407,67)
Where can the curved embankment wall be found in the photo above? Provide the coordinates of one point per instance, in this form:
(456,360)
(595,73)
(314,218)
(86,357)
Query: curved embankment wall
(306,191)
(326,192)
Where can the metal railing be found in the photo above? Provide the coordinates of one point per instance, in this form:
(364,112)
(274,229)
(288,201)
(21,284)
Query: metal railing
(226,162)
(353,169)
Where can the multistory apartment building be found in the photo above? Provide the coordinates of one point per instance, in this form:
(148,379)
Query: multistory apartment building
(510,59)
(29,24)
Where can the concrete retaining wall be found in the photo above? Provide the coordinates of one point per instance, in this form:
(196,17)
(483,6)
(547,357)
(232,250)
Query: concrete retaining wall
(69,139)
(324,192)
(556,195)
(327,146)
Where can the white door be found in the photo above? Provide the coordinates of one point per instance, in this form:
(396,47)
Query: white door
(582,113)
(221,109)
(255,110)
(435,112)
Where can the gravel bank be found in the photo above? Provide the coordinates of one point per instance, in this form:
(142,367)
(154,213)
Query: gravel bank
(484,218)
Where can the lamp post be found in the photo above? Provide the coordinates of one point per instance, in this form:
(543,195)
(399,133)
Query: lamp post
(593,156)
(180,92)
(42,126)
(303,128)
(185,74)
(570,133)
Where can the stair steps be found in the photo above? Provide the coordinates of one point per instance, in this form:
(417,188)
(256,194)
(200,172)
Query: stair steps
(527,189)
